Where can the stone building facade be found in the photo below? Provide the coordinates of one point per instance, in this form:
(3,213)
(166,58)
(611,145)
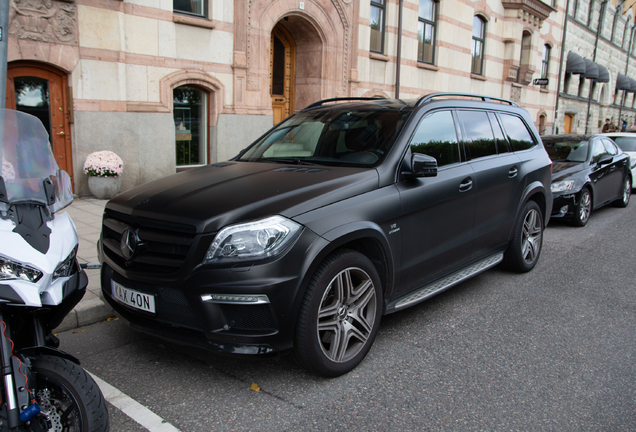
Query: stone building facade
(611,49)
(171,84)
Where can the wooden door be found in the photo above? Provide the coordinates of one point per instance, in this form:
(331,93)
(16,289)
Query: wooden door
(282,72)
(41,91)
(567,123)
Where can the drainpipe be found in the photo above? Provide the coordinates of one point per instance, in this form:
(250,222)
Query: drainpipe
(598,35)
(556,105)
(629,54)
(399,52)
(4,44)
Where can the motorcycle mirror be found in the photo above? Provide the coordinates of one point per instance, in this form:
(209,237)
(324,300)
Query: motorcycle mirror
(49,191)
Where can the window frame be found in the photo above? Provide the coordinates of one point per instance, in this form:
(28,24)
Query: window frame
(433,24)
(478,40)
(545,62)
(382,7)
(192,14)
(205,128)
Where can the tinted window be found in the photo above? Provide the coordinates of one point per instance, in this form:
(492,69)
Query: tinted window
(518,135)
(479,137)
(435,136)
(610,147)
(598,150)
(626,143)
(500,139)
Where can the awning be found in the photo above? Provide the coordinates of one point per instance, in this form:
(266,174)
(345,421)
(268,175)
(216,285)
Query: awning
(575,64)
(591,70)
(603,74)
(622,83)
(632,85)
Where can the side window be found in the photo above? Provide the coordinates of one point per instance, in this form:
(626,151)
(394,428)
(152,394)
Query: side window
(500,139)
(479,137)
(435,136)
(519,136)
(598,150)
(191,7)
(610,147)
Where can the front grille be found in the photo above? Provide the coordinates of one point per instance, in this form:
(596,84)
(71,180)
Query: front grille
(163,246)
(248,317)
(171,305)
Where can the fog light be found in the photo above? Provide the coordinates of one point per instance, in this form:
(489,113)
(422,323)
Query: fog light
(563,210)
(235,298)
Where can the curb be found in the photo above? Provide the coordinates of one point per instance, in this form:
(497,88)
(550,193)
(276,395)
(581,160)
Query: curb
(85,313)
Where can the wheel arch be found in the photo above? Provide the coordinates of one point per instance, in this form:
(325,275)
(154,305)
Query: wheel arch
(536,192)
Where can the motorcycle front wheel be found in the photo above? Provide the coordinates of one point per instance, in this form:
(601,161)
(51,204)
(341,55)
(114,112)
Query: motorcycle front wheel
(68,396)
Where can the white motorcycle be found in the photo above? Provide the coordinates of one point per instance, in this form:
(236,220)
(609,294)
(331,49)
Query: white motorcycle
(43,389)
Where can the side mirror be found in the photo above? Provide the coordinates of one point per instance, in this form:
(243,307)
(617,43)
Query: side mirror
(605,159)
(421,166)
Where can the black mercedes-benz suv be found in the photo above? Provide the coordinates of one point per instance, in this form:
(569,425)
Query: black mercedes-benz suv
(347,210)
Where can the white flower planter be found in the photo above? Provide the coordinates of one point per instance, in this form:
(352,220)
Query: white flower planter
(104,187)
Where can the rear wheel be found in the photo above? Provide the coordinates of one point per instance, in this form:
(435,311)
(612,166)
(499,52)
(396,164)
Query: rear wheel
(68,396)
(583,209)
(340,315)
(623,201)
(524,249)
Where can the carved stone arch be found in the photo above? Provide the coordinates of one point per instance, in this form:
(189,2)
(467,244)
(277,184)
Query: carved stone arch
(199,79)
(327,18)
(376,93)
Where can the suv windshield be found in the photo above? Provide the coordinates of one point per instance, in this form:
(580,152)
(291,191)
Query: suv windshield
(356,137)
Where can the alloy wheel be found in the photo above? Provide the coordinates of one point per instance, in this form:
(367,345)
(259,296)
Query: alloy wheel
(585,207)
(532,233)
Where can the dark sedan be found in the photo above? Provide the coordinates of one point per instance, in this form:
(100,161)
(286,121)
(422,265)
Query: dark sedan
(588,172)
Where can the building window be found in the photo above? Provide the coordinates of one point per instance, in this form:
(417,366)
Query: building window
(426,31)
(191,7)
(479,36)
(190,123)
(524,61)
(378,12)
(545,63)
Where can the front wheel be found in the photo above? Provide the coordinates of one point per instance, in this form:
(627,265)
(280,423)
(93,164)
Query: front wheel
(340,315)
(623,201)
(524,249)
(68,396)
(583,210)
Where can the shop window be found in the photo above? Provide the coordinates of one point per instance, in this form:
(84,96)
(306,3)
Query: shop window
(191,7)
(427,24)
(190,123)
(377,19)
(479,36)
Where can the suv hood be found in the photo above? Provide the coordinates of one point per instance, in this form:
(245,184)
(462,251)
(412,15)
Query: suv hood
(214,196)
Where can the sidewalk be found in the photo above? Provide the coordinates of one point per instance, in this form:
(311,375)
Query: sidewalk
(87,216)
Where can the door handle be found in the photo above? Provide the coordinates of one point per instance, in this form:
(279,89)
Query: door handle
(60,133)
(513,172)
(466,185)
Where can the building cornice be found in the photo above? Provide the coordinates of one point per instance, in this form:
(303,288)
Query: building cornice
(536,8)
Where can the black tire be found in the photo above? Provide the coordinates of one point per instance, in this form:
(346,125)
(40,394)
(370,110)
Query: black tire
(583,209)
(354,314)
(524,250)
(62,384)
(626,194)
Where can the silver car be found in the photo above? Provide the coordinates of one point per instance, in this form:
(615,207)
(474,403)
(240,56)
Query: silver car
(626,141)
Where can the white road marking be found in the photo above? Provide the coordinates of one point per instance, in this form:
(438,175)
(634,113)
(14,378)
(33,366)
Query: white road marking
(134,409)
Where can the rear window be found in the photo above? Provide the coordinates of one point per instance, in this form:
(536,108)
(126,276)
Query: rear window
(519,136)
(627,144)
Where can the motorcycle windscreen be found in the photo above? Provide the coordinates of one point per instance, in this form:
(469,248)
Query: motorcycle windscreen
(27,158)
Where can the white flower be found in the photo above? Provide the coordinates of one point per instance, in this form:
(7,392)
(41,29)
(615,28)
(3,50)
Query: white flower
(103,164)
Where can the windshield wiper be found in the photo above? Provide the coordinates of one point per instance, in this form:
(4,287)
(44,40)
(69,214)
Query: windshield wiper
(295,161)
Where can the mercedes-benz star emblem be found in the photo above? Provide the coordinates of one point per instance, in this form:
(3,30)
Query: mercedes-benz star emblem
(128,243)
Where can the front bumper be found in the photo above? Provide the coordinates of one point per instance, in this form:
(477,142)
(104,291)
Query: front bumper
(564,206)
(207,306)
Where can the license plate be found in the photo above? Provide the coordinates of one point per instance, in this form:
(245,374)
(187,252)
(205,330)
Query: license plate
(132,298)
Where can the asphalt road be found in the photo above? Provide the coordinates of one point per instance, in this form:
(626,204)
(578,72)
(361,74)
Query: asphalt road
(551,350)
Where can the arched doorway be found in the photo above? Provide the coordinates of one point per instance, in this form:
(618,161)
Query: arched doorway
(282,72)
(41,90)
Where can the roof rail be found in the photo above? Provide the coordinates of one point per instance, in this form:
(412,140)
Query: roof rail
(431,96)
(341,99)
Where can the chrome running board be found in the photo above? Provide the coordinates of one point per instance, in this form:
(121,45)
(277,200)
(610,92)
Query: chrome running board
(446,283)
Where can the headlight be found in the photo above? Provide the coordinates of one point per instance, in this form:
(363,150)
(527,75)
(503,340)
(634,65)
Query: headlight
(65,268)
(11,270)
(562,186)
(253,240)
